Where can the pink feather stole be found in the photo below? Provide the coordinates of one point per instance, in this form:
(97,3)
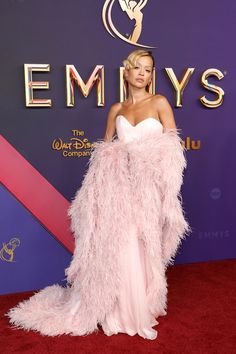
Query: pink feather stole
(137,183)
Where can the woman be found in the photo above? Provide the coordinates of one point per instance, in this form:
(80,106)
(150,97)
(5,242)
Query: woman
(140,103)
(127,220)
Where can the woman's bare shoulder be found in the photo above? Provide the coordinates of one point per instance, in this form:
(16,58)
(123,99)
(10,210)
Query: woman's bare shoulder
(160,102)
(158,98)
(115,108)
(165,111)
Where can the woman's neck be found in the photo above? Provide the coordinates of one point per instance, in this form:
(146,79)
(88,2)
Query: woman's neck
(136,95)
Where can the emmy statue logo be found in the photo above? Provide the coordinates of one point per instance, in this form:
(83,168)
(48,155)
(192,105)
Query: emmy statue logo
(133,10)
(7,250)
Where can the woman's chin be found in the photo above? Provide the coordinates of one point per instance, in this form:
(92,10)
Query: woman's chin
(138,84)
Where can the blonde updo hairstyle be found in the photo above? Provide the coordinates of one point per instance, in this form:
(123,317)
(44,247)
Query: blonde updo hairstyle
(130,61)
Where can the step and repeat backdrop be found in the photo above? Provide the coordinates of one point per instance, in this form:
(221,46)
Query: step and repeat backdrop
(61,69)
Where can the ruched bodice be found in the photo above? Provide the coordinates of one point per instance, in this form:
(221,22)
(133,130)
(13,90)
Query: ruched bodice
(127,132)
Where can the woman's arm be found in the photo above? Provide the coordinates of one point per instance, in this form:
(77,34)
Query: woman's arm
(111,121)
(165,112)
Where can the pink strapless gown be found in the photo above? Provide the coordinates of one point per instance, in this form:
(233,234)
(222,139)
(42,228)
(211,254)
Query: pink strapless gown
(131,313)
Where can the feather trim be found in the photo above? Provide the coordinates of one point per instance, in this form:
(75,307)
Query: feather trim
(135,183)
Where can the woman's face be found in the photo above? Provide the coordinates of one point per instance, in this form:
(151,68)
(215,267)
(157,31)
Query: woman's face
(140,75)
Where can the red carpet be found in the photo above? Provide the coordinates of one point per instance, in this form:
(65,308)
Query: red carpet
(201,319)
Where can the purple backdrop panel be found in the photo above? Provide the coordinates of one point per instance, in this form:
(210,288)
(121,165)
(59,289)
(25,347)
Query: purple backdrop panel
(30,258)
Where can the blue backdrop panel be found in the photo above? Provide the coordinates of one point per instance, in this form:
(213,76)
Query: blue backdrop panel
(37,260)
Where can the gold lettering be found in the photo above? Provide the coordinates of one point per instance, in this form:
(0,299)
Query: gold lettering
(189,144)
(213,88)
(179,86)
(31,85)
(72,76)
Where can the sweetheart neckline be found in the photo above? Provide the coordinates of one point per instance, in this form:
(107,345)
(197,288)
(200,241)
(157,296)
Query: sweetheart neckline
(120,115)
